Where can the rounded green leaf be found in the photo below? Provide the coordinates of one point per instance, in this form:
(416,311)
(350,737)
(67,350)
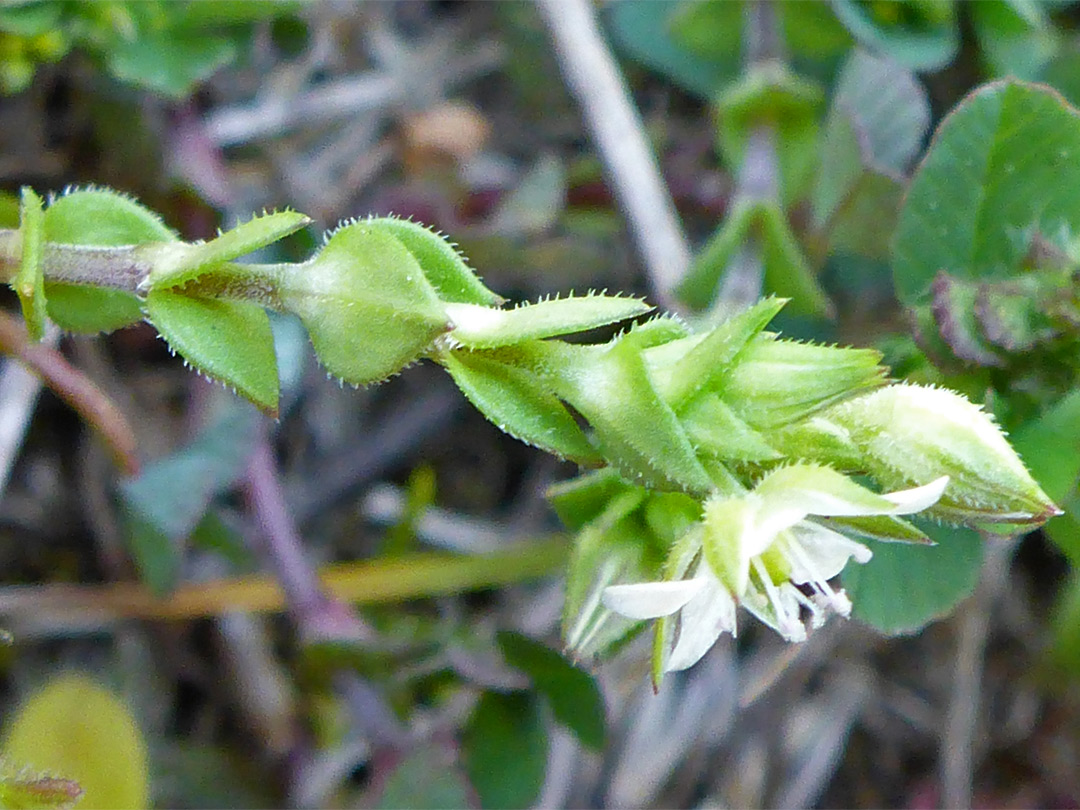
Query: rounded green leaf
(366,304)
(229,341)
(904,587)
(106,219)
(443,266)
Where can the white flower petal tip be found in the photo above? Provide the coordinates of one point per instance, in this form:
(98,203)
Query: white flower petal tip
(650,600)
(910,501)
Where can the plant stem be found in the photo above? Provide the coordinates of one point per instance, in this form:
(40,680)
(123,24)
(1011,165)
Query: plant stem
(381,581)
(127,267)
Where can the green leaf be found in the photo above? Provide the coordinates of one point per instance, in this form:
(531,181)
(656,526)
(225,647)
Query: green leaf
(169,62)
(107,219)
(787,273)
(905,587)
(90,310)
(78,730)
(167,501)
(535,203)
(366,304)
(922,36)
(177,264)
(1015,36)
(505,750)
(29,281)
(98,216)
(702,280)
(769,94)
(514,400)
(876,125)
(1004,162)
(229,341)
(653,34)
(573,694)
(444,267)
(426,780)
(487,327)
(1050,446)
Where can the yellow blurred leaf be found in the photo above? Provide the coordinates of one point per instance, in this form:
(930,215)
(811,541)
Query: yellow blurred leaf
(78,730)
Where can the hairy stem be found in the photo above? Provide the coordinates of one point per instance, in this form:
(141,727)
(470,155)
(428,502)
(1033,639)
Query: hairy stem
(127,267)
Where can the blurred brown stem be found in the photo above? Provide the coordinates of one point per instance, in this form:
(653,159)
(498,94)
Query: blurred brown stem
(75,388)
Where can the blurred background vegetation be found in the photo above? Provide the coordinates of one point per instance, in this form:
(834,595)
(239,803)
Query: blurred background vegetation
(787,135)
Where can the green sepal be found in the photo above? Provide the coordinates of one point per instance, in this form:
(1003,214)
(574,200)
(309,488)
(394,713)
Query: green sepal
(229,341)
(670,515)
(578,501)
(715,429)
(612,549)
(634,429)
(366,304)
(678,375)
(29,281)
(443,266)
(102,218)
(179,263)
(517,403)
(776,382)
(486,327)
(886,528)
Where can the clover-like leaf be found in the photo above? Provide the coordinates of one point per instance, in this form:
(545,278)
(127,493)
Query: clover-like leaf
(29,281)
(443,266)
(487,327)
(517,403)
(366,303)
(179,263)
(229,341)
(102,218)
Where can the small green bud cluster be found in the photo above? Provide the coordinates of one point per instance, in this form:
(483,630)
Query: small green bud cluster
(725,459)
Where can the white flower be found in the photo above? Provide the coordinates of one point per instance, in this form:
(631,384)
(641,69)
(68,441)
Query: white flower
(760,551)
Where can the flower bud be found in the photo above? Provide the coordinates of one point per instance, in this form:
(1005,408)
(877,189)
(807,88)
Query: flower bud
(912,434)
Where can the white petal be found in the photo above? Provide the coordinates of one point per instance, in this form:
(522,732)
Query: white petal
(650,600)
(710,614)
(827,550)
(910,501)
